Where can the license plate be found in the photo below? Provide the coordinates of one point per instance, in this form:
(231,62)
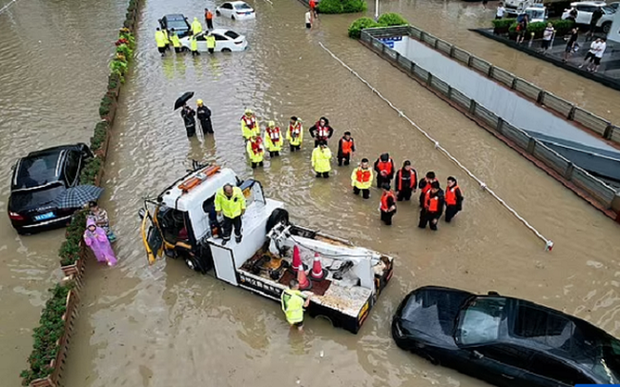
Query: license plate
(248,13)
(49,215)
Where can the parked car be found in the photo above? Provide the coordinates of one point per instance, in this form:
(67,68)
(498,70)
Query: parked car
(225,41)
(177,21)
(585,10)
(536,13)
(614,6)
(38,179)
(236,10)
(505,341)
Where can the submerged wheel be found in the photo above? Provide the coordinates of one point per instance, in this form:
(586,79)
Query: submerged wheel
(232,17)
(278,215)
(606,27)
(217,13)
(226,50)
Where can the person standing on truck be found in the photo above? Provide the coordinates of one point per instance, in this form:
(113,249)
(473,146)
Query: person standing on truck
(188,114)
(425,185)
(388,204)
(384,166)
(321,160)
(295,134)
(361,179)
(273,139)
(249,127)
(321,131)
(454,199)
(256,151)
(433,207)
(406,182)
(346,147)
(293,304)
(230,202)
(209,18)
(204,116)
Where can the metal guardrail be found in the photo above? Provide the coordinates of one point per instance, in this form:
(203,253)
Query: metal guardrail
(597,189)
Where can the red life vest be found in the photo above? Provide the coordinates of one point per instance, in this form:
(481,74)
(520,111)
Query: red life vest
(363,175)
(384,200)
(385,166)
(347,145)
(322,132)
(399,179)
(249,122)
(274,134)
(427,187)
(257,146)
(431,204)
(451,195)
(295,130)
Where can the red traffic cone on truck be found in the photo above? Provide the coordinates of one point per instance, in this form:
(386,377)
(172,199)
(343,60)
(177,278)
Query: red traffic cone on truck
(318,274)
(302,278)
(297,264)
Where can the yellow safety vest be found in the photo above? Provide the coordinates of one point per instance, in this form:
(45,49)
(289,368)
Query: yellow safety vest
(293,305)
(271,145)
(295,140)
(246,131)
(166,36)
(175,41)
(196,27)
(193,43)
(230,207)
(321,160)
(160,38)
(255,157)
(210,41)
(364,174)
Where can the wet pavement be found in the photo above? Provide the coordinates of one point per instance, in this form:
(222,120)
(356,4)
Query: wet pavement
(165,325)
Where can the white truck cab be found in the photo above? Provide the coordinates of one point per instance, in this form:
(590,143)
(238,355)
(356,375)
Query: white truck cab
(182,222)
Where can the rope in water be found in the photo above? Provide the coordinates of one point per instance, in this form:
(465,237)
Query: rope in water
(548,243)
(7,6)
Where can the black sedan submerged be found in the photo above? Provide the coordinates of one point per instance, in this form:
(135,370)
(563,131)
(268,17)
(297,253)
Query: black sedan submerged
(505,341)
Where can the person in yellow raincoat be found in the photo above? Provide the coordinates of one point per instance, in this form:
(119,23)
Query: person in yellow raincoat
(211,43)
(295,134)
(160,39)
(196,26)
(273,139)
(249,126)
(321,159)
(256,151)
(166,38)
(193,45)
(361,179)
(176,43)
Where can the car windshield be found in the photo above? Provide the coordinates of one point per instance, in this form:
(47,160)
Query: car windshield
(28,200)
(176,24)
(231,34)
(242,6)
(480,321)
(535,14)
(608,9)
(36,171)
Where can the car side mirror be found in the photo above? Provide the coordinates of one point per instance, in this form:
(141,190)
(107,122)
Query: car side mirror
(476,355)
(142,213)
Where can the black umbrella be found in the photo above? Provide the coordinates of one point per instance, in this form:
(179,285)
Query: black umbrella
(182,100)
(76,197)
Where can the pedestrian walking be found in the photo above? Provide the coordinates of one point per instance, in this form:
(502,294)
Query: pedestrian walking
(174,39)
(522,29)
(361,179)
(321,131)
(204,116)
(188,114)
(308,17)
(249,127)
(433,207)
(346,147)
(295,134)
(453,198)
(384,166)
(571,43)
(160,40)
(230,203)
(406,182)
(96,238)
(273,139)
(547,37)
(499,14)
(425,185)
(598,55)
(321,160)
(388,205)
(293,303)
(209,18)
(256,151)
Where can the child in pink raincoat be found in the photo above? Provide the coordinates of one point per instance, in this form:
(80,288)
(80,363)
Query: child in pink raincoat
(96,238)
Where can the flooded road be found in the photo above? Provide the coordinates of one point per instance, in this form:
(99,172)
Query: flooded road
(165,325)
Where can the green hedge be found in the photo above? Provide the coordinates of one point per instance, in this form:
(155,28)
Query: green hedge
(504,23)
(562,27)
(341,6)
(392,19)
(385,20)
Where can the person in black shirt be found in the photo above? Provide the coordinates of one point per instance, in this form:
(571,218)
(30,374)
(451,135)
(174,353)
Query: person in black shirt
(189,119)
(596,16)
(570,44)
(204,116)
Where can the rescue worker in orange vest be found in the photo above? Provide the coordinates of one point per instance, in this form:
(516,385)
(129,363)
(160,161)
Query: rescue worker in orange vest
(388,205)
(321,131)
(346,147)
(256,151)
(273,139)
(406,182)
(361,179)
(209,18)
(425,185)
(295,134)
(433,207)
(454,199)
(249,127)
(384,166)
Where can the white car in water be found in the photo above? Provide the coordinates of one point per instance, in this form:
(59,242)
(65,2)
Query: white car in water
(236,10)
(225,41)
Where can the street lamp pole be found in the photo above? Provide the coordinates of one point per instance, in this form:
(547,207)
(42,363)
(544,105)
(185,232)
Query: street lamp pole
(376,10)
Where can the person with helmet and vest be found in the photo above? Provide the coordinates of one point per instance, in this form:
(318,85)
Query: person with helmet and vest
(249,127)
(425,185)
(196,27)
(166,38)
(209,18)
(433,206)
(256,151)
(188,114)
(273,139)
(388,204)
(293,303)
(361,179)
(230,202)
(321,160)
(176,43)
(295,134)
(193,45)
(321,131)
(384,166)
(454,199)
(406,182)
(210,43)
(204,116)
(160,39)
(346,147)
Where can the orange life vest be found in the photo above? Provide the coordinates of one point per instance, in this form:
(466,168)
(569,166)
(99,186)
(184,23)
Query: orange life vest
(347,146)
(274,134)
(209,15)
(295,130)
(249,122)
(431,204)
(427,187)
(385,166)
(257,146)
(363,175)
(451,195)
(384,200)
(399,179)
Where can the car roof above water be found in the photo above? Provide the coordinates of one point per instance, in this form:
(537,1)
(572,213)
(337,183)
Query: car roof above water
(41,167)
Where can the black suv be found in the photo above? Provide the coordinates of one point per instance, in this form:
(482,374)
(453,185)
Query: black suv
(177,21)
(38,179)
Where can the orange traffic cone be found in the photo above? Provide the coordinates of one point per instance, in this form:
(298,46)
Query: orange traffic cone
(302,278)
(297,264)
(318,274)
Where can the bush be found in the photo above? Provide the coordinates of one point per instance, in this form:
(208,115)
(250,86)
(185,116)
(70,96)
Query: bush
(341,6)
(99,136)
(537,28)
(90,171)
(503,24)
(392,19)
(562,27)
(355,29)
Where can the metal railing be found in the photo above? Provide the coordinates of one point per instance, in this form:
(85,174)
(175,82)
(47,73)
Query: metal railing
(594,187)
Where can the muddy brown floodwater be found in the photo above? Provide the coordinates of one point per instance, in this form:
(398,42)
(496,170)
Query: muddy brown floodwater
(167,326)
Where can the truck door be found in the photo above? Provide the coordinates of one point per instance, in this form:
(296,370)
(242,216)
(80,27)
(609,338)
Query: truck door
(151,236)
(224,263)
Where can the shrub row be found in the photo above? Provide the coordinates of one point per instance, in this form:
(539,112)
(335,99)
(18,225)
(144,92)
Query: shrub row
(385,20)
(561,27)
(51,329)
(341,6)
